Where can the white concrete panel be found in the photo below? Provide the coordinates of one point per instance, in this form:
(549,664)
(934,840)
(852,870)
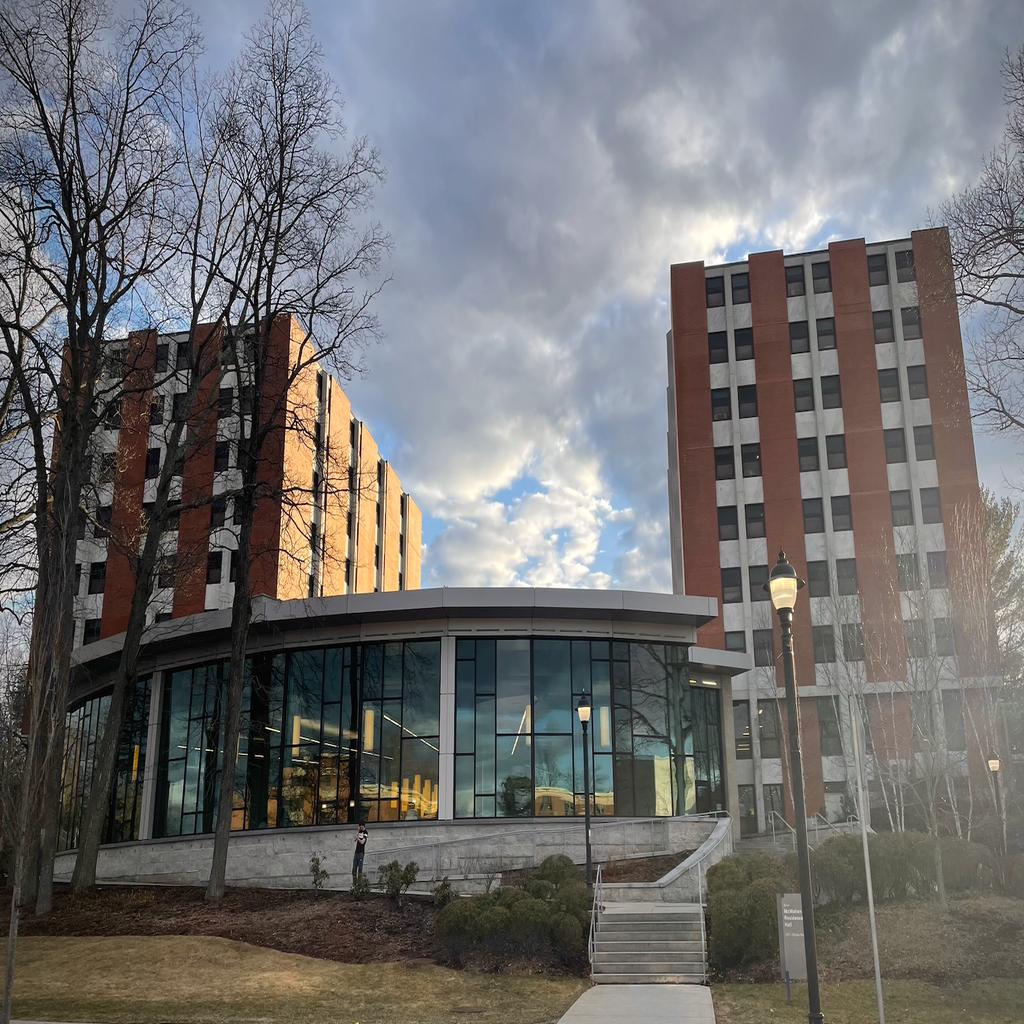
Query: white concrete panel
(915,351)
(745,373)
(719,375)
(716,319)
(753,489)
(721,432)
(843,545)
(928,474)
(905,540)
(823,304)
(741,316)
(932,537)
(797,307)
(892,414)
(899,476)
(725,492)
(729,553)
(810,485)
(885,356)
(828,362)
(838,481)
(757,551)
(801,364)
(906,293)
(880,297)
(806,424)
(750,430)
(919,411)
(833,422)
(732,617)
(816,546)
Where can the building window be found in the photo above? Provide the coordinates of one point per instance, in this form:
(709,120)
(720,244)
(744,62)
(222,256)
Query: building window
(182,356)
(758,577)
(218,512)
(831,396)
(103,517)
(905,269)
(824,645)
(924,444)
(828,726)
(156,411)
(814,516)
(728,523)
(740,289)
(721,408)
(747,400)
(882,322)
(221,456)
(78,577)
(878,270)
(945,645)
(821,275)
(835,450)
(803,394)
(799,337)
(736,640)
(842,513)
(817,579)
(846,576)
(744,342)
(889,385)
(902,508)
(952,711)
(246,397)
(750,457)
(911,316)
(108,468)
(907,571)
(853,641)
(931,505)
(718,347)
(178,401)
(807,452)
(895,445)
(755,520)
(225,402)
(92,631)
(161,357)
(233,567)
(173,515)
(178,469)
(764,649)
(938,570)
(795,284)
(725,463)
(768,728)
(917,638)
(152,463)
(165,575)
(214,561)
(112,416)
(97,577)
(917,381)
(741,729)
(162,617)
(826,333)
(732,586)
(715,290)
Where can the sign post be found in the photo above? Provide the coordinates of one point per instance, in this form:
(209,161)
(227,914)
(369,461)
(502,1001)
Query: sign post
(792,958)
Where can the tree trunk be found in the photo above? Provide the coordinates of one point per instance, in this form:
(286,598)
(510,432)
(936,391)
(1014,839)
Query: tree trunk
(51,817)
(940,878)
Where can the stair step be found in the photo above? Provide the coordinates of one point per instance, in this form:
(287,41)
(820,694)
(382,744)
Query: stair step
(644,959)
(648,979)
(648,928)
(646,945)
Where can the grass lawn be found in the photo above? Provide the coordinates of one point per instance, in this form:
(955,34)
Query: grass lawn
(996,1001)
(206,980)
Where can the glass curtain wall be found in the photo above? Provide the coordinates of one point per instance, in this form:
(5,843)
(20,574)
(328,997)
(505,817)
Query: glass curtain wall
(84,728)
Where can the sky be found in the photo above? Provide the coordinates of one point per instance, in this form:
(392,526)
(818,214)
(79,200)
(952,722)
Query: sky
(548,162)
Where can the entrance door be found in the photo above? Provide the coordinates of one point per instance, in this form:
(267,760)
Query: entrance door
(748,811)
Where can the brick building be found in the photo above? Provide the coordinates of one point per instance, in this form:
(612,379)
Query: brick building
(343,524)
(818,403)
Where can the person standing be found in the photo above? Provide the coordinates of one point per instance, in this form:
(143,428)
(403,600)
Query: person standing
(357,861)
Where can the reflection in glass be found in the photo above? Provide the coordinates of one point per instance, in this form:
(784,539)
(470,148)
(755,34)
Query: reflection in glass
(512,686)
(514,776)
(554,793)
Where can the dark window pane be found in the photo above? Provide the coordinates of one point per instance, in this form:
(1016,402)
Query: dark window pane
(750,455)
(182,356)
(889,385)
(512,684)
(768,725)
(817,579)
(464,791)
(803,394)
(764,652)
(842,513)
(831,395)
(917,381)
(741,729)
(218,512)
(728,523)
(835,450)
(807,451)
(552,687)
(795,281)
(225,402)
(814,516)
(221,456)
(715,290)
(725,463)
(744,339)
(799,337)
(938,569)
(513,794)
(755,520)
(156,411)
(952,700)
(214,560)
(945,646)
(878,270)
(735,640)
(92,631)
(853,642)
(721,405)
(905,269)
(161,357)
(821,274)
(97,577)
(902,508)
(924,443)
(555,793)
(826,333)
(740,289)
(824,645)
(907,572)
(758,575)
(732,586)
(916,636)
(828,725)
(911,316)
(882,321)
(747,400)
(846,576)
(718,347)
(895,445)
(103,517)
(931,505)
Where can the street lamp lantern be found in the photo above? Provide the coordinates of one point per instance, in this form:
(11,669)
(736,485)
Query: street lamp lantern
(783,585)
(583,709)
(993,763)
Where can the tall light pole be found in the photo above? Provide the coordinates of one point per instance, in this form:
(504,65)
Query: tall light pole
(783,585)
(583,709)
(993,767)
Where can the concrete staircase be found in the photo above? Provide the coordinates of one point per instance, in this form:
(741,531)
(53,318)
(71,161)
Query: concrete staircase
(649,943)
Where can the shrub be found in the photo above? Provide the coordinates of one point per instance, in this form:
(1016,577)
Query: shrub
(321,876)
(360,887)
(574,899)
(965,865)
(837,869)
(528,922)
(566,934)
(395,880)
(1015,875)
(557,870)
(539,888)
(444,892)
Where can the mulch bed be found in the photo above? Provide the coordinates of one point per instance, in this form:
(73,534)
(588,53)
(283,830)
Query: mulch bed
(642,869)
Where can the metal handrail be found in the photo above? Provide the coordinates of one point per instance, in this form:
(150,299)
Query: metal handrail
(699,864)
(704,944)
(820,817)
(772,817)
(595,913)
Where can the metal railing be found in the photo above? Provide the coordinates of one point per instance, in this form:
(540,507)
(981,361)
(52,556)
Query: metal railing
(702,871)
(792,831)
(819,817)
(703,944)
(595,915)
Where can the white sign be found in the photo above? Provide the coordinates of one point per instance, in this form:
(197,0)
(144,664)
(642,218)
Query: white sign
(792,955)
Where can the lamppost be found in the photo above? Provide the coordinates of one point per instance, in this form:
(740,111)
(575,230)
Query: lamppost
(783,585)
(993,767)
(583,710)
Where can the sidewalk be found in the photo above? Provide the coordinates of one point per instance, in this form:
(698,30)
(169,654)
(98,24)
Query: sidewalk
(652,1004)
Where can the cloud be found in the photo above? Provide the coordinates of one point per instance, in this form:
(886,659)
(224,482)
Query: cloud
(548,162)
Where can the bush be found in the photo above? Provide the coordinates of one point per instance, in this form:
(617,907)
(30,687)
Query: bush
(566,934)
(444,892)
(558,870)
(965,865)
(321,876)
(360,887)
(528,922)
(395,880)
(837,869)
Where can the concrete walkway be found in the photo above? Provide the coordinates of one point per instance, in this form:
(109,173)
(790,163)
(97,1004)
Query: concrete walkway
(651,1004)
